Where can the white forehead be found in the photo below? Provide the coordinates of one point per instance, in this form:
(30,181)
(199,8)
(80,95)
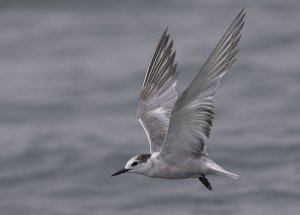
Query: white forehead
(128,164)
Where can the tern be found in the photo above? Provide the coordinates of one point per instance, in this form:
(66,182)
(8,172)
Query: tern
(177,129)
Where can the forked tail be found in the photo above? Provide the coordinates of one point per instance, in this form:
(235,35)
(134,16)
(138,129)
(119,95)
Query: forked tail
(228,174)
(215,169)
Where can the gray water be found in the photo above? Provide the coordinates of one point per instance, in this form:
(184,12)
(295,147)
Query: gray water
(70,74)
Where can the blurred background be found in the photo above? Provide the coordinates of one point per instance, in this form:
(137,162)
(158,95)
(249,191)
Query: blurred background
(70,75)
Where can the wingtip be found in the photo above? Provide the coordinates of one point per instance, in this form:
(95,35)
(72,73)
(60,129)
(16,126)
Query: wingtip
(241,15)
(165,32)
(243,11)
(167,28)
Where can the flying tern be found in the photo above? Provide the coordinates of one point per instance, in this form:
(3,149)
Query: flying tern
(177,129)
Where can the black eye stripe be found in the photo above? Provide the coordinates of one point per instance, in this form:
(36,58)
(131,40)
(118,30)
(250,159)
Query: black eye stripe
(134,163)
(143,158)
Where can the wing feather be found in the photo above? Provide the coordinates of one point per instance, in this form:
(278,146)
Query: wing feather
(158,93)
(192,115)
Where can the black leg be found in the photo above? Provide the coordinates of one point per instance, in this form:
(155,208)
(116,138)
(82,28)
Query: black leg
(205,182)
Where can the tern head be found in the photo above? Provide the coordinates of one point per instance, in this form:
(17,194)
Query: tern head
(138,164)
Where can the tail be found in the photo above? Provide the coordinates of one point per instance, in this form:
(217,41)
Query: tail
(215,169)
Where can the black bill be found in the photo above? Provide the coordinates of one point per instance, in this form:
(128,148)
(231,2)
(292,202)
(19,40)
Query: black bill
(120,172)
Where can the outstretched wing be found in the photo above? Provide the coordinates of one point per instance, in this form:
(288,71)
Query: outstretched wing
(158,93)
(191,118)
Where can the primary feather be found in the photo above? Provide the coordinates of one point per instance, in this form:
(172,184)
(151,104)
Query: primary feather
(191,117)
(158,93)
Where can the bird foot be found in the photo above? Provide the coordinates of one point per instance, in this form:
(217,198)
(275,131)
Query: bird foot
(205,182)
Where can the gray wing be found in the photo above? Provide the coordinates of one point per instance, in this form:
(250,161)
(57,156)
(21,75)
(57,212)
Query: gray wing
(158,93)
(191,118)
